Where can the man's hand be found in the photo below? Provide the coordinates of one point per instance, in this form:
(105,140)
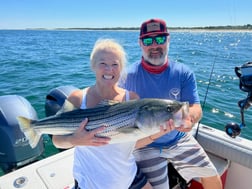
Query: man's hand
(186,125)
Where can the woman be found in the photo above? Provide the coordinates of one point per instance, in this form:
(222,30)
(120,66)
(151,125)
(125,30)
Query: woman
(97,165)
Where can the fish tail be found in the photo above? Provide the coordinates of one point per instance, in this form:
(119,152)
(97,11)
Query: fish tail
(30,133)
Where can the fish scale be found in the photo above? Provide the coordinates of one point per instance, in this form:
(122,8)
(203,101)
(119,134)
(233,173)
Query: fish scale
(120,121)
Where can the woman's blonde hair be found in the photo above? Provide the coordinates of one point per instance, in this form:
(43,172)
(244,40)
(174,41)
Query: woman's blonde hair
(109,45)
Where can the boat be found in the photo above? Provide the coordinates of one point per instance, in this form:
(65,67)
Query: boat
(230,153)
(231,156)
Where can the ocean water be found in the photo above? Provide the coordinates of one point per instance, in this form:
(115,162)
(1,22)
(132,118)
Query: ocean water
(33,62)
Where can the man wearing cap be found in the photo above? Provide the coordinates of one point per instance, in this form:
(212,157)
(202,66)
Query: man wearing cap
(155,76)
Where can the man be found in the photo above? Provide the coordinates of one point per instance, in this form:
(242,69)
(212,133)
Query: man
(155,76)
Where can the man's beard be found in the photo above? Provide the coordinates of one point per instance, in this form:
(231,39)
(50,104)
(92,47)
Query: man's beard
(156,61)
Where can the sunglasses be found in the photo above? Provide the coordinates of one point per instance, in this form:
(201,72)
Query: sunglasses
(160,40)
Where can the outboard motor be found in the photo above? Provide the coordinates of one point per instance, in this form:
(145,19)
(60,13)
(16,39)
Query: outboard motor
(244,73)
(56,98)
(15,150)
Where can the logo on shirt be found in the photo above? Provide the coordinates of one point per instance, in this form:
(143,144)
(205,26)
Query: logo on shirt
(174,94)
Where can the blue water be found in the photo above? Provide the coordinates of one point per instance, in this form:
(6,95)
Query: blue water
(34,62)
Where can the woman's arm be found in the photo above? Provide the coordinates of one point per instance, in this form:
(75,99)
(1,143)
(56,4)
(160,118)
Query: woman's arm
(80,137)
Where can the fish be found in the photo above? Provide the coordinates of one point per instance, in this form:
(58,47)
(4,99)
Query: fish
(123,121)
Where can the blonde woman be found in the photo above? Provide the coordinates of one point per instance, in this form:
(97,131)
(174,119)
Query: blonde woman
(97,165)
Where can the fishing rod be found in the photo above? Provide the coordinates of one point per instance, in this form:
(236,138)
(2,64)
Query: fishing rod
(208,85)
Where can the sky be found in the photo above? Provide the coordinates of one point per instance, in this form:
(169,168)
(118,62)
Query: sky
(50,14)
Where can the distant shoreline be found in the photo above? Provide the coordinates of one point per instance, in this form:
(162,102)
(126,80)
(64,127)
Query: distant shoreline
(247,28)
(137,30)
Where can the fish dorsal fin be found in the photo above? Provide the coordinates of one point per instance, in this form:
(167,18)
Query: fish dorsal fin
(67,107)
(107,102)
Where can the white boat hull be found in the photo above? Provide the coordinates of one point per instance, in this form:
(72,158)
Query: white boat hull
(232,157)
(54,172)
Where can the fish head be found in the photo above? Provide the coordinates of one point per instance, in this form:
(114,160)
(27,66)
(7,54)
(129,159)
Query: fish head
(156,112)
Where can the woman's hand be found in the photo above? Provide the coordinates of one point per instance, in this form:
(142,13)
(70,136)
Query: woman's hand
(82,137)
(164,129)
(186,125)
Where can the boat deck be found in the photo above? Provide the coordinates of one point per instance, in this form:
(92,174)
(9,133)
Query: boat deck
(52,172)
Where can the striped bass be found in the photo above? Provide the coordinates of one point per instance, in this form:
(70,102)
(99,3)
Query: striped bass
(124,121)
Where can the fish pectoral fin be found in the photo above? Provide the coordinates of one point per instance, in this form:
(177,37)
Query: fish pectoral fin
(132,136)
(127,130)
(67,107)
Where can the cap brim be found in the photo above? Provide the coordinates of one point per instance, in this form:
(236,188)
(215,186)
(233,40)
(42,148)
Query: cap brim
(153,33)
